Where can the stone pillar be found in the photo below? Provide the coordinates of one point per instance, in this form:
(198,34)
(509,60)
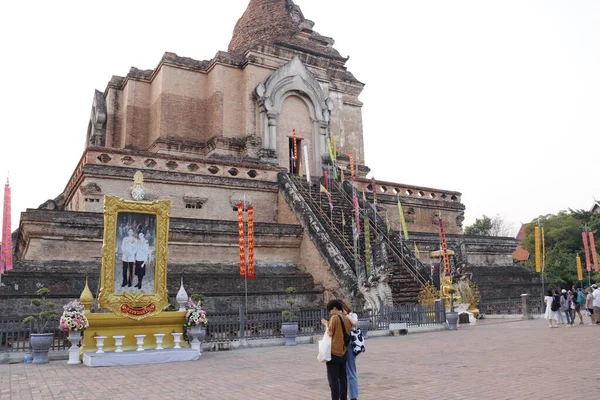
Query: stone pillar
(264,123)
(525,307)
(272,132)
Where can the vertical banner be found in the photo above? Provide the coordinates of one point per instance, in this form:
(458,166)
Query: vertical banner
(447,271)
(588,265)
(402,220)
(352,176)
(594,255)
(543,250)
(306,169)
(356,214)
(368,252)
(579,269)
(326,178)
(335,148)
(241,240)
(374,188)
(250,243)
(538,252)
(332,157)
(6,255)
(295,142)
(417,252)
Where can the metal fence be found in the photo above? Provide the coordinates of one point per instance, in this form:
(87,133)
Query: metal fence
(14,336)
(510,306)
(228,327)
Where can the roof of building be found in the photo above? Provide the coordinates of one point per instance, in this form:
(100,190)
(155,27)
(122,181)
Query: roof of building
(279,23)
(521,234)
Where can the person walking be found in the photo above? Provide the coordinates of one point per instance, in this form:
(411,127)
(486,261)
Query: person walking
(565,305)
(351,359)
(550,315)
(576,306)
(338,326)
(560,314)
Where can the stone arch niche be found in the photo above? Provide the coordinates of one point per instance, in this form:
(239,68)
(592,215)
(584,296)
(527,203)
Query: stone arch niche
(289,84)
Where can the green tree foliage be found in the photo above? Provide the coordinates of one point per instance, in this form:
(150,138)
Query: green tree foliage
(563,242)
(489,226)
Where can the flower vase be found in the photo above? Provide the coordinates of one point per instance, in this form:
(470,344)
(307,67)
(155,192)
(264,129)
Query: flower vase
(193,332)
(40,344)
(118,343)
(159,340)
(177,339)
(74,338)
(100,343)
(140,342)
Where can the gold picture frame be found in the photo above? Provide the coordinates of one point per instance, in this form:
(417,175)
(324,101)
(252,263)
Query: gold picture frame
(136,236)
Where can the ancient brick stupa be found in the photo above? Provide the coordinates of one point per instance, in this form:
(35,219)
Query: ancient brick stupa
(206,134)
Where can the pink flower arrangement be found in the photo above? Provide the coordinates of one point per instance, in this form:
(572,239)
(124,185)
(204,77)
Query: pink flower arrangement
(73,318)
(195,315)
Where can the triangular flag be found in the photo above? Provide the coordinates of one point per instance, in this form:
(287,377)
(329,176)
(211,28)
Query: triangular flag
(323,190)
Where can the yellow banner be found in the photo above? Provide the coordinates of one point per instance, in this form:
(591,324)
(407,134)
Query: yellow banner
(538,253)
(579,269)
(417,252)
(323,190)
(402,220)
(543,250)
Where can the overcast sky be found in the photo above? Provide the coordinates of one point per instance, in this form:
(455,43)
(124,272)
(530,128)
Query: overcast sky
(498,100)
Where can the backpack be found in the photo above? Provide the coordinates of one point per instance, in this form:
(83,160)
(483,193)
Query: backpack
(555,303)
(580,298)
(347,336)
(358,342)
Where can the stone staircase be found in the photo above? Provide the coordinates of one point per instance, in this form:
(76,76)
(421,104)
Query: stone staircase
(392,260)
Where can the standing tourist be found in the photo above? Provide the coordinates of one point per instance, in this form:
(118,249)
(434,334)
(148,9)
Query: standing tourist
(128,249)
(576,306)
(565,305)
(550,315)
(351,358)
(589,305)
(336,368)
(596,302)
(560,314)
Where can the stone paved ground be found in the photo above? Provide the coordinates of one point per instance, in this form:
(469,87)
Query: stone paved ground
(506,360)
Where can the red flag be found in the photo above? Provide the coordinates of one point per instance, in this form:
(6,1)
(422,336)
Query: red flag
(6,256)
(594,255)
(241,240)
(588,265)
(250,243)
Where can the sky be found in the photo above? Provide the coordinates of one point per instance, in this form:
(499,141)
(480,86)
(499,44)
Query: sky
(498,100)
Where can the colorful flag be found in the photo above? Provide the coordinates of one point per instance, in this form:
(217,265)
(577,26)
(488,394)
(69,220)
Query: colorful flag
(323,190)
(241,240)
(543,250)
(588,264)
(326,179)
(356,215)
(579,269)
(343,220)
(417,252)
(368,252)
(538,252)
(6,256)
(352,176)
(402,220)
(250,243)
(594,255)
(447,271)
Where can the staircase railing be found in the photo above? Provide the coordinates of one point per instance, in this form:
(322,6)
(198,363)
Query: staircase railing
(347,249)
(395,244)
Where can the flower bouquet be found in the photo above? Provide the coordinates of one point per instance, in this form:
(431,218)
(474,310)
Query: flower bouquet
(73,318)
(195,315)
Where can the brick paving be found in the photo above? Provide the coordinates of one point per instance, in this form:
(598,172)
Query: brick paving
(500,360)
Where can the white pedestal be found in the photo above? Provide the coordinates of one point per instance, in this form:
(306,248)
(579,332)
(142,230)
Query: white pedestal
(118,343)
(159,339)
(140,342)
(177,339)
(100,343)
(74,338)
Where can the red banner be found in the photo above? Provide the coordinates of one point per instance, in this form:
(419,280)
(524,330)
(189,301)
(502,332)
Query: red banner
(351,166)
(137,311)
(356,214)
(250,243)
(447,271)
(295,156)
(241,240)
(588,265)
(594,255)
(326,178)
(6,255)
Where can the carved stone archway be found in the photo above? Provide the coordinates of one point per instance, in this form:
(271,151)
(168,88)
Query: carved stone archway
(294,79)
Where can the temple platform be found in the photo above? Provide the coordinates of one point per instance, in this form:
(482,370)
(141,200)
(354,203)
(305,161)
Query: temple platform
(113,359)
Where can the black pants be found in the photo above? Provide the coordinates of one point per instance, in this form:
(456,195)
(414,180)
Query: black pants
(336,375)
(127,272)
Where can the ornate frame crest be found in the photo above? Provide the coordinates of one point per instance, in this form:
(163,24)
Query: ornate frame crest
(134,305)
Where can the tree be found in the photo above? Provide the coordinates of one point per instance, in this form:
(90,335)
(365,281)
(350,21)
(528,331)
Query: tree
(486,226)
(563,242)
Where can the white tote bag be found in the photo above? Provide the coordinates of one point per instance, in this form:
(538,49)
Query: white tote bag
(325,348)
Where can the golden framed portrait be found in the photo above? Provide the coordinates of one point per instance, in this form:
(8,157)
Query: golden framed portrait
(134,257)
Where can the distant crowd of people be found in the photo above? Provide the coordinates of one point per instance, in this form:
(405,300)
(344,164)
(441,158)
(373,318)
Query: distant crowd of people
(564,306)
